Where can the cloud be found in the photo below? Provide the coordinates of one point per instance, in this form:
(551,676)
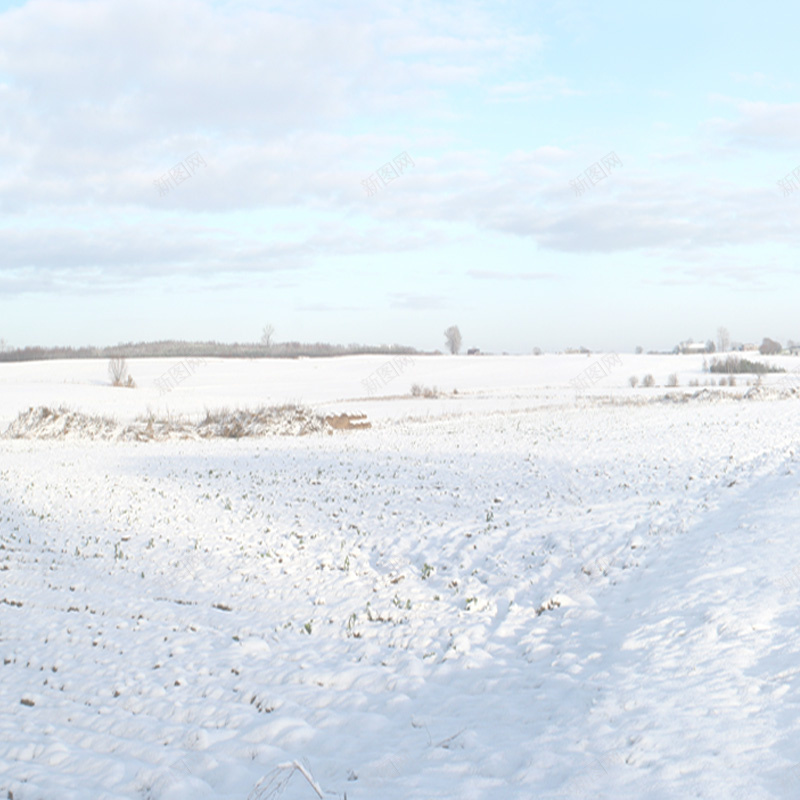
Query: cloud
(482,274)
(659,216)
(735,273)
(95,260)
(417,302)
(760,125)
(632,209)
(291,108)
(760,80)
(524,91)
(327,308)
(98,259)
(102,98)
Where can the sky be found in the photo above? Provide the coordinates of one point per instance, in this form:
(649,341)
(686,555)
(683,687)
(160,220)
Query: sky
(542,174)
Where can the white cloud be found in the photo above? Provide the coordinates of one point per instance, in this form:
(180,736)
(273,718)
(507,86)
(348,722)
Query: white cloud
(542,89)
(490,275)
(759,125)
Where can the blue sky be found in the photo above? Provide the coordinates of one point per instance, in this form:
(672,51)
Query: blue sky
(500,105)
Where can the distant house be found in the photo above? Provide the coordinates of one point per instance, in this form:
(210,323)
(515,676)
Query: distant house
(473,351)
(794,350)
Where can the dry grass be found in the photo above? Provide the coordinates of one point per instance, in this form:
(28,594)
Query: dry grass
(59,423)
(285,420)
(417,390)
(118,372)
(273,784)
(347,422)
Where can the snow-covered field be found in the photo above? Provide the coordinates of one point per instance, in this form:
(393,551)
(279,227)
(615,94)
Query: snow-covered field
(511,591)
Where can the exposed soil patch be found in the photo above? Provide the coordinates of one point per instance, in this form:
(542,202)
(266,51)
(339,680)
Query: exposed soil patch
(346,422)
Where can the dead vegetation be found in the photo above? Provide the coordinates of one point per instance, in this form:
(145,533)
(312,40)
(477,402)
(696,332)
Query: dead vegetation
(284,420)
(118,372)
(60,423)
(430,392)
(348,422)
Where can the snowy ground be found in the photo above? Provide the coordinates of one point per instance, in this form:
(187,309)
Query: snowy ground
(508,592)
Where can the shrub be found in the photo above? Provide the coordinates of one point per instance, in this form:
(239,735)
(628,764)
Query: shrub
(723,382)
(118,372)
(672,380)
(417,390)
(648,381)
(633,380)
(734,364)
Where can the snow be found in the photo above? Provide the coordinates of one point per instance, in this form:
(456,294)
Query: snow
(513,591)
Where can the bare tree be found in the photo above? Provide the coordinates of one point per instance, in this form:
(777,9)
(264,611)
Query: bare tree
(452,339)
(2,345)
(266,335)
(723,340)
(769,347)
(118,372)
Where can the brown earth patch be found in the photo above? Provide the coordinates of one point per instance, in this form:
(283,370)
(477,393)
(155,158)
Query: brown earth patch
(347,422)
